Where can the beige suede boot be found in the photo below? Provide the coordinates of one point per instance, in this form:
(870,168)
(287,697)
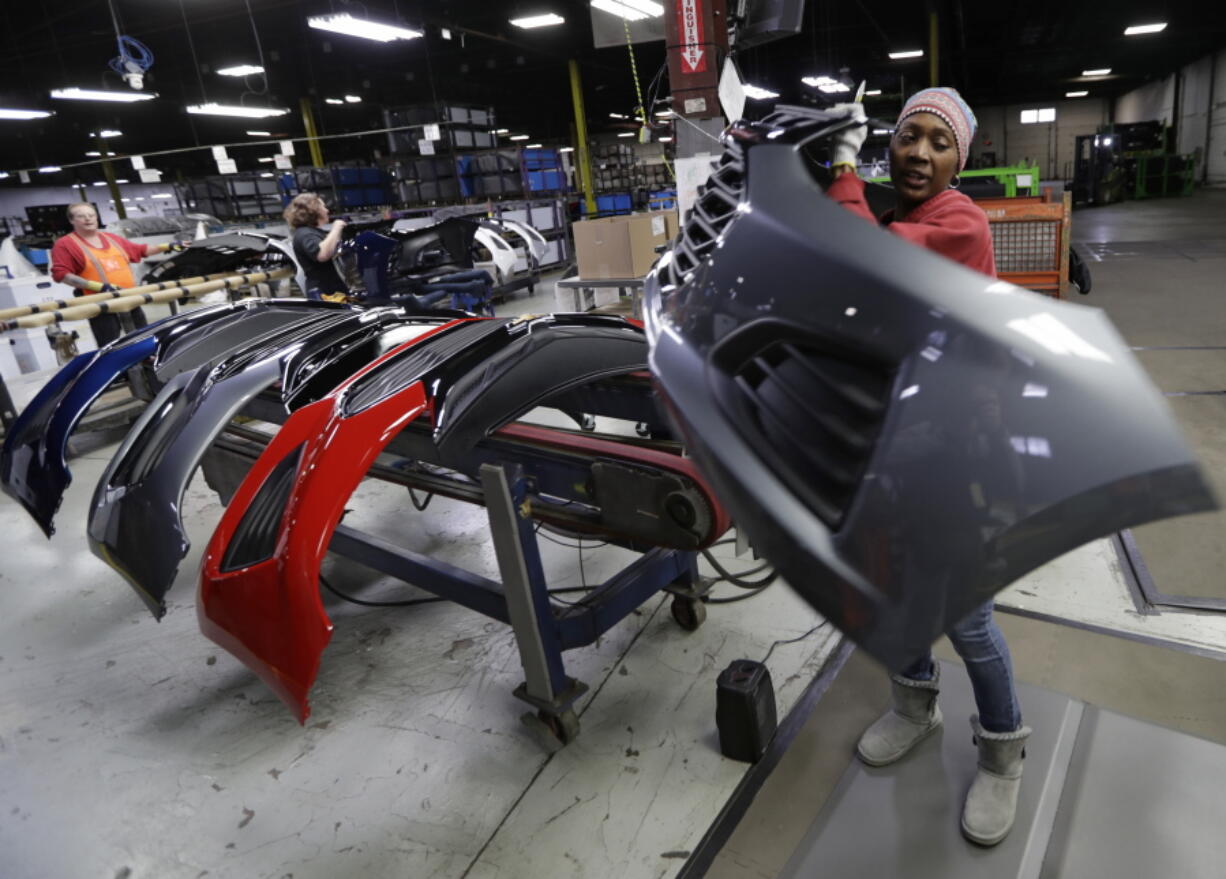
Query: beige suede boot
(914,716)
(991,803)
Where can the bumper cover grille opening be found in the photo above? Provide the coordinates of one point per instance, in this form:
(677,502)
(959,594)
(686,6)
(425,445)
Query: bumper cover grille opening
(823,407)
(255,538)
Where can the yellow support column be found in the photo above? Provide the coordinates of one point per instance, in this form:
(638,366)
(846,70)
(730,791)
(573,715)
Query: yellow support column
(308,122)
(585,158)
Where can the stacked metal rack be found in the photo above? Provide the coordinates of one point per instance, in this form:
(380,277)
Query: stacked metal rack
(232,196)
(627,180)
(613,167)
(459,128)
(491,174)
(344,186)
(424,180)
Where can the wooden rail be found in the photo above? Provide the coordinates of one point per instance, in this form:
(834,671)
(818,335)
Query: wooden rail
(132,300)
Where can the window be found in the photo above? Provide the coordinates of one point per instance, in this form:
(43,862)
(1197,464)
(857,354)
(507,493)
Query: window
(1042,114)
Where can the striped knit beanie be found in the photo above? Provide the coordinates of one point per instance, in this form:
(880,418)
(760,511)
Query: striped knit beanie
(949,106)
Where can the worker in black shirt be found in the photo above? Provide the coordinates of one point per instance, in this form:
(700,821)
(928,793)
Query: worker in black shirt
(307,215)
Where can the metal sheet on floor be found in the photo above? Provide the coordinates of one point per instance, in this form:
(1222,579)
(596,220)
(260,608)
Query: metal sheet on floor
(903,820)
(1103,796)
(1141,800)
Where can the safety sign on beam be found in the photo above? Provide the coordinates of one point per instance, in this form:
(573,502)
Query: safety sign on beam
(693,56)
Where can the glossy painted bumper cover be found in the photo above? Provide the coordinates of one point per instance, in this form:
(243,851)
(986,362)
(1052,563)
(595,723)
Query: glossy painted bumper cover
(900,436)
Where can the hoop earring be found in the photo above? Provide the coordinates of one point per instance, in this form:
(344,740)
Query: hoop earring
(955,182)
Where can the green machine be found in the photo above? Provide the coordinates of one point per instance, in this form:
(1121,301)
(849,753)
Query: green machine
(1135,159)
(1016,179)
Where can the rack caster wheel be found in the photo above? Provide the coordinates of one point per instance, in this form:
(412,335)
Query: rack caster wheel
(690,613)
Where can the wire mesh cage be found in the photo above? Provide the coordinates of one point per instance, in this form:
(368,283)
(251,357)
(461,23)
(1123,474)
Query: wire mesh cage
(1026,245)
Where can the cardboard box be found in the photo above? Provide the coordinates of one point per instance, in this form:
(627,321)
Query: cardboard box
(619,247)
(672,224)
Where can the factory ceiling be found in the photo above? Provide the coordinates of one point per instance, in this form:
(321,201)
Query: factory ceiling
(1002,52)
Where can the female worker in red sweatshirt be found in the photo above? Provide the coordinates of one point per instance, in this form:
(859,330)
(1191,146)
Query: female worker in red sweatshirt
(927,152)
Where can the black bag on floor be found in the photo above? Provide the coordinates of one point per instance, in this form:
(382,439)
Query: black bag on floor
(1078,272)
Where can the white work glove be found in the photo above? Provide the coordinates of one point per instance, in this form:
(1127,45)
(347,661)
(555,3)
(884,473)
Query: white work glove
(845,146)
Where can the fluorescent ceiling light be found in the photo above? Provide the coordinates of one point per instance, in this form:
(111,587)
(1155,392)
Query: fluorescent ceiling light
(631,10)
(49,169)
(647,7)
(99,183)
(816,81)
(353,99)
(533,146)
(333,101)
(567,150)
(264,159)
(872,92)
(240,70)
(910,53)
(121,180)
(259,134)
(502,131)
(618,116)
(832,88)
(1102,71)
(4,175)
(267,174)
(106,132)
(1075,94)
(6,113)
(94,154)
(881,131)
(758,93)
(666,139)
(664,114)
(161,195)
(547,20)
(1144,29)
(346,24)
(79,94)
(520,136)
(626,134)
(213,109)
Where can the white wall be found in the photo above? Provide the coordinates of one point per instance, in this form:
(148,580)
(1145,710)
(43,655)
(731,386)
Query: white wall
(1154,100)
(1195,116)
(1193,122)
(141,203)
(1216,159)
(1051,144)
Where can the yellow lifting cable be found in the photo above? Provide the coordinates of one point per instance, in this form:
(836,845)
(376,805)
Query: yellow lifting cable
(638,91)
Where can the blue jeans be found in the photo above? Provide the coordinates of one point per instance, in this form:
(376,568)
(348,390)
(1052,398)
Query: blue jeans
(982,647)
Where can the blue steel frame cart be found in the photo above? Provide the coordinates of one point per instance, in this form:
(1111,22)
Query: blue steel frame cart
(542,629)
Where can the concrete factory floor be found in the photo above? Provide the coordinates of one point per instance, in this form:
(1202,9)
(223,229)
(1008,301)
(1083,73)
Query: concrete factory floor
(138,749)
(131,748)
